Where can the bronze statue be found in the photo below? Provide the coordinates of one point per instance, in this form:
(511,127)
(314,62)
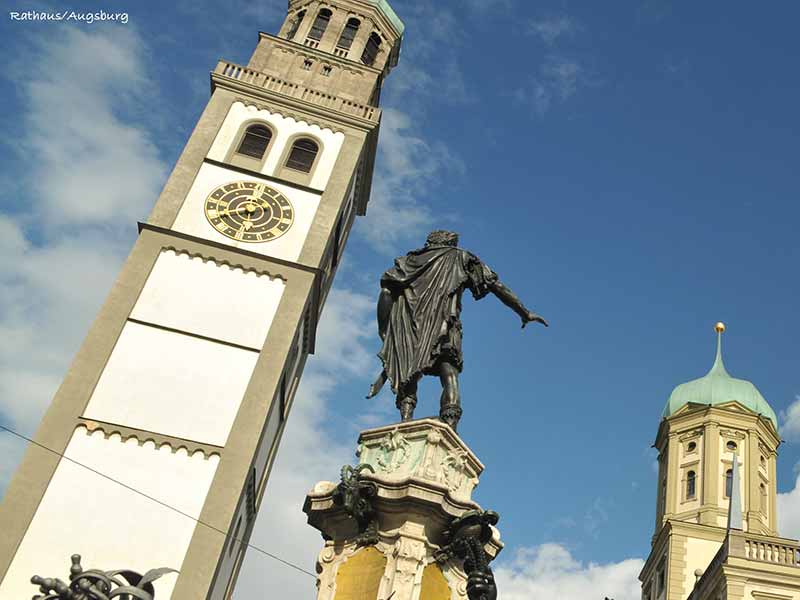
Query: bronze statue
(419,310)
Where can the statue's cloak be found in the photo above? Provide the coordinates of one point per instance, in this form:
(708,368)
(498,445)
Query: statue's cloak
(424,322)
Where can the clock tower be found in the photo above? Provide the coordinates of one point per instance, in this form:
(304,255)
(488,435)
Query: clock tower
(178,397)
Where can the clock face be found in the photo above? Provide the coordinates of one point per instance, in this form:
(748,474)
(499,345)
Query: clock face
(249,212)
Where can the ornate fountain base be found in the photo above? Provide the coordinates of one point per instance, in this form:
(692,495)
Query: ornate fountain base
(385,524)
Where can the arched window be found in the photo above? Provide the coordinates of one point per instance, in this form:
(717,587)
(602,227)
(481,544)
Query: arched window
(349,32)
(371,49)
(295,25)
(302,156)
(320,24)
(691,485)
(691,447)
(763,489)
(728,483)
(731,446)
(255,141)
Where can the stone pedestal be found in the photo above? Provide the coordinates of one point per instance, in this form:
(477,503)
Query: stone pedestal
(424,475)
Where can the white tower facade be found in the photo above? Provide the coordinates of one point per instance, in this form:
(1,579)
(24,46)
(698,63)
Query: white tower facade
(183,385)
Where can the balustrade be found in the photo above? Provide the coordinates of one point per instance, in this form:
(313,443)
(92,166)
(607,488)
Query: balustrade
(274,84)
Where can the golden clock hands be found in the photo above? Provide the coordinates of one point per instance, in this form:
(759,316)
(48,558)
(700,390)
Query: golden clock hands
(246,225)
(228,211)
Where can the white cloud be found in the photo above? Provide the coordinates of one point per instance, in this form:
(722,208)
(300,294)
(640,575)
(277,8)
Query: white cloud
(551,28)
(92,175)
(789,512)
(411,163)
(595,517)
(790,421)
(550,570)
(407,166)
(557,80)
(89,165)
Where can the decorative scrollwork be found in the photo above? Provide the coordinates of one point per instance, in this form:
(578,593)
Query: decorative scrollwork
(94,584)
(394,451)
(355,496)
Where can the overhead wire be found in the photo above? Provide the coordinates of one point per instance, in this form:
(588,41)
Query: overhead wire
(157,501)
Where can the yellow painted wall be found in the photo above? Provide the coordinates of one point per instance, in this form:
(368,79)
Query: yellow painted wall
(360,576)
(434,585)
(699,553)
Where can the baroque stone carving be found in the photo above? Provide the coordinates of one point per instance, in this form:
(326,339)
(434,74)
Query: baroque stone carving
(94,584)
(690,435)
(732,433)
(454,470)
(408,555)
(432,482)
(421,449)
(394,451)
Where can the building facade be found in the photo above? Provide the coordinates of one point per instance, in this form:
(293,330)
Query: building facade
(701,548)
(182,387)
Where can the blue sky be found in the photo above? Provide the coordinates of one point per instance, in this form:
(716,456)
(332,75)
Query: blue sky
(631,173)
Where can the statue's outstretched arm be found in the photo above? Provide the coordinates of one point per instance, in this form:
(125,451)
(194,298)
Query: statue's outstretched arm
(511,300)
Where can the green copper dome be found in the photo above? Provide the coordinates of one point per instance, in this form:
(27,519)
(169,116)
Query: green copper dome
(718,387)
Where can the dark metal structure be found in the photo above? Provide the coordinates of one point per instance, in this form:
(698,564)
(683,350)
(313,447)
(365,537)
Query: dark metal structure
(419,310)
(355,495)
(94,584)
(465,539)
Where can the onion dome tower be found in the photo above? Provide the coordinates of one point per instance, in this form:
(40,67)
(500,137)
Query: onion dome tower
(708,424)
(717,388)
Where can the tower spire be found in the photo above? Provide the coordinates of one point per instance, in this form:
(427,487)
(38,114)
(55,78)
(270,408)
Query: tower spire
(719,366)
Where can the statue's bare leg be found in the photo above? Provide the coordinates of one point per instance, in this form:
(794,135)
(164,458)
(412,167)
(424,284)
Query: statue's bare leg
(407,401)
(450,407)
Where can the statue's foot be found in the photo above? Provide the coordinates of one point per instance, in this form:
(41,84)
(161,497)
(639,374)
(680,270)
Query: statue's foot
(406,410)
(451,415)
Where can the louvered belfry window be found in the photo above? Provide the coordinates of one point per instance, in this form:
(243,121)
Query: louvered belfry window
(349,33)
(371,49)
(302,156)
(295,25)
(320,24)
(255,141)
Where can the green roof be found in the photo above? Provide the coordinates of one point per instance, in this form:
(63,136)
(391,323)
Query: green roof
(718,387)
(387,10)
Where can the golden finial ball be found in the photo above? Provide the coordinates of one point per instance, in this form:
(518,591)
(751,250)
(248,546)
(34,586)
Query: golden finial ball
(719,327)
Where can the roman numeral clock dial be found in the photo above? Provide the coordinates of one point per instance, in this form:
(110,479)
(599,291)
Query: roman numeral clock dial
(249,212)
